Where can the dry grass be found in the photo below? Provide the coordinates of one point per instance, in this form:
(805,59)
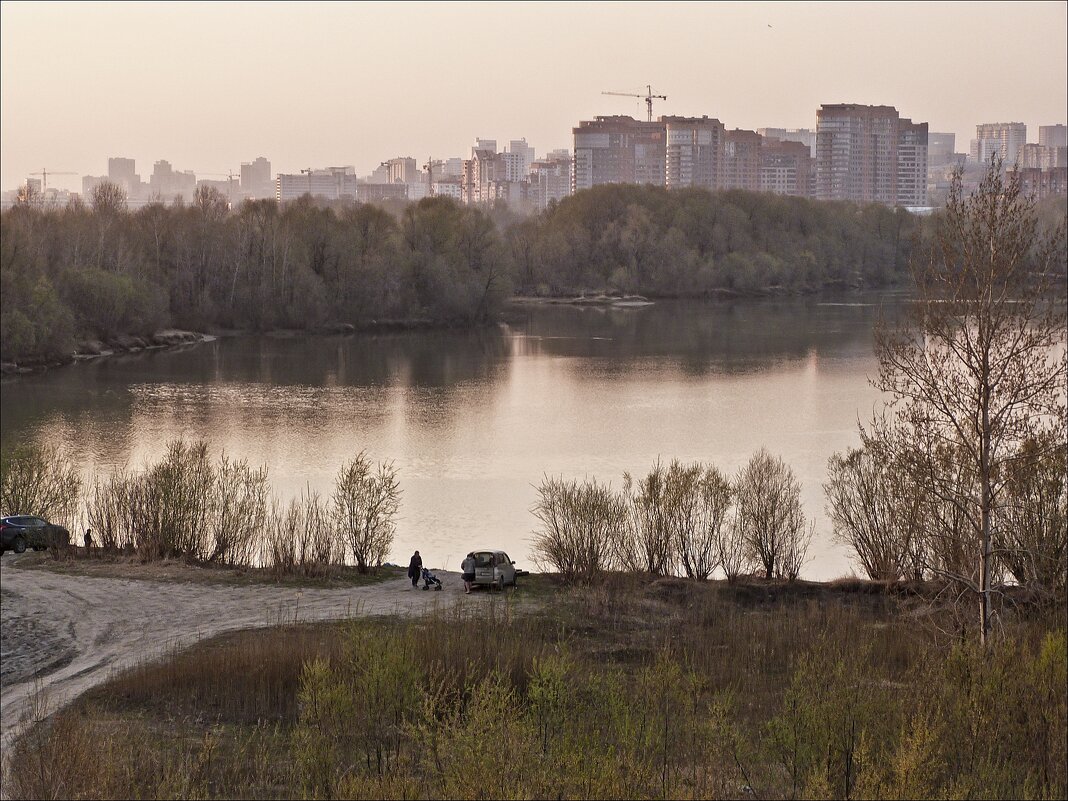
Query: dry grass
(225,719)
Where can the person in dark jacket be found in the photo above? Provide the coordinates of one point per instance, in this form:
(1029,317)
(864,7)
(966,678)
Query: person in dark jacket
(415,568)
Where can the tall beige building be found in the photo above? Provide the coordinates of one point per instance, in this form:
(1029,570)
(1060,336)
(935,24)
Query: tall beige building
(741,160)
(999,138)
(856,153)
(619,150)
(694,152)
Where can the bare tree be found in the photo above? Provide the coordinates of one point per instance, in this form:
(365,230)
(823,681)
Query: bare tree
(770,515)
(580,527)
(978,362)
(698,499)
(365,505)
(650,547)
(875,510)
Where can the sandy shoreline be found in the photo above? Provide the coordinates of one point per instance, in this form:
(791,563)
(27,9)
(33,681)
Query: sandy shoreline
(67,633)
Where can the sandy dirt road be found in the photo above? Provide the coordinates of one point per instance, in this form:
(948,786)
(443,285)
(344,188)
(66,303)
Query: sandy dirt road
(67,633)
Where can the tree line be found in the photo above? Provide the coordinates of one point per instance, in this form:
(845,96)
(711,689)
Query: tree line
(95,270)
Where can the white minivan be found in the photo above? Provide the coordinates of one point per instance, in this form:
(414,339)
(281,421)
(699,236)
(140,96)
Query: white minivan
(494,569)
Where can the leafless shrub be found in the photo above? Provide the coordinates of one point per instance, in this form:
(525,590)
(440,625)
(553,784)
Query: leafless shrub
(770,514)
(731,548)
(238,512)
(1032,526)
(38,479)
(172,503)
(108,510)
(698,499)
(875,511)
(581,526)
(365,504)
(649,546)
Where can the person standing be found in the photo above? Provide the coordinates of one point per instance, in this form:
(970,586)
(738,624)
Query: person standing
(415,568)
(467,567)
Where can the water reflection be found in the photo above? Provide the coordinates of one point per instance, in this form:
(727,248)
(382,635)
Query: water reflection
(474,419)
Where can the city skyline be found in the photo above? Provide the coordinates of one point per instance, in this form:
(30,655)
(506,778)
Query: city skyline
(379,81)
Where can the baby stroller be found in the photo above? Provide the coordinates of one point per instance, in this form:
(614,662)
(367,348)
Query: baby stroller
(430,580)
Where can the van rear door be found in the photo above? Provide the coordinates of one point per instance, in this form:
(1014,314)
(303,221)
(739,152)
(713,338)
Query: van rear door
(484,565)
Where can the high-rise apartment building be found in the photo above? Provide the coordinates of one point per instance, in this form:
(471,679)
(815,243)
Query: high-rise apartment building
(741,160)
(694,152)
(519,148)
(1053,135)
(912,151)
(618,150)
(1042,157)
(786,168)
(402,171)
(123,172)
(999,138)
(256,180)
(856,153)
(550,179)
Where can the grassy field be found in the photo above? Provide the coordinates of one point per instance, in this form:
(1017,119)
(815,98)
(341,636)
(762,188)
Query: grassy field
(631,688)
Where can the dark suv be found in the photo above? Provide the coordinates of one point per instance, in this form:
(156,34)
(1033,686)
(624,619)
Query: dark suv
(19,532)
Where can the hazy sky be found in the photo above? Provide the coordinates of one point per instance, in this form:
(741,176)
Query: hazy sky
(207,86)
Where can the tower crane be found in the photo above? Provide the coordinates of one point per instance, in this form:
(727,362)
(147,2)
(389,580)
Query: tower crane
(45,172)
(649,98)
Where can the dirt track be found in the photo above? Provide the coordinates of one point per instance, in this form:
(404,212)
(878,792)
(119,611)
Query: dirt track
(72,631)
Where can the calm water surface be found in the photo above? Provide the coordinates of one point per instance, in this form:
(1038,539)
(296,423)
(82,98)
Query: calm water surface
(473,420)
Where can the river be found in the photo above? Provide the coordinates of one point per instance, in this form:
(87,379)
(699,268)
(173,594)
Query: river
(474,419)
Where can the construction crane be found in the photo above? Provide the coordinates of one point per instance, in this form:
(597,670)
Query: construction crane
(45,172)
(649,98)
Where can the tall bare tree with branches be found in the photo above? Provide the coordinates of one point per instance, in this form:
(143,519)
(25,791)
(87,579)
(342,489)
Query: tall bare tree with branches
(977,365)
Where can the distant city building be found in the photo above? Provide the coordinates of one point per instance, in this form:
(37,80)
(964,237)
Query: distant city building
(1001,138)
(550,180)
(167,183)
(856,153)
(519,147)
(453,167)
(1040,184)
(1053,135)
(618,149)
(912,153)
(1042,157)
(786,168)
(256,180)
(484,144)
(941,148)
(402,171)
(376,193)
(447,186)
(91,182)
(123,172)
(331,183)
(741,160)
(805,136)
(694,152)
(485,179)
